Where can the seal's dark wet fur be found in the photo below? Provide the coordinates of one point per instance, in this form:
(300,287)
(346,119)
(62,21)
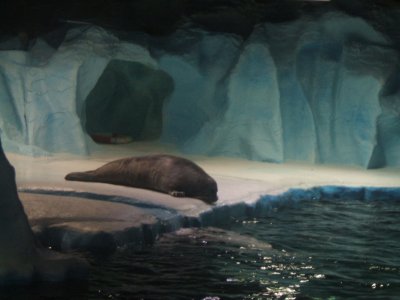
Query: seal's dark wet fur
(169,174)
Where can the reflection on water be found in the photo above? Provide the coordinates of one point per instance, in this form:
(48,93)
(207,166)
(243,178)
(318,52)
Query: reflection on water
(320,249)
(349,247)
(308,250)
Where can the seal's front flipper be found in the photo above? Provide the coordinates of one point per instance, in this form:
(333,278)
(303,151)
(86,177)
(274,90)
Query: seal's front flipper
(177,194)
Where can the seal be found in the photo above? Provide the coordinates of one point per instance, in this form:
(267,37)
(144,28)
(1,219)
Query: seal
(176,176)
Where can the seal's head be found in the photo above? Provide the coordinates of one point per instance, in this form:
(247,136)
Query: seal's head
(209,191)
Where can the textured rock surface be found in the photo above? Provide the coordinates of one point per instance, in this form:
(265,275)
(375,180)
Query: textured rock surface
(21,259)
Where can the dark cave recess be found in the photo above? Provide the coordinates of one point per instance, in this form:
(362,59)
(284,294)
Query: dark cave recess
(127,101)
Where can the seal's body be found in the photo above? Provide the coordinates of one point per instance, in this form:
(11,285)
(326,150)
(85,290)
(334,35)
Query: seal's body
(169,174)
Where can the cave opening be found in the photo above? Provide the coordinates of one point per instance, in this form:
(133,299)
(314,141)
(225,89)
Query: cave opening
(126,103)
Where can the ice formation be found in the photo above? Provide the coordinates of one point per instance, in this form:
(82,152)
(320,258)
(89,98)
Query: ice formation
(312,90)
(21,259)
(319,89)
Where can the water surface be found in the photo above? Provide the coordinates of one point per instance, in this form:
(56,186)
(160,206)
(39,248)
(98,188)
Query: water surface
(337,249)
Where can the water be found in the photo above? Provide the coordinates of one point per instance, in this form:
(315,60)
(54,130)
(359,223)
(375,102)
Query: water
(308,250)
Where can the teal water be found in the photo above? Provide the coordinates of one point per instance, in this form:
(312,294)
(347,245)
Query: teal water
(338,249)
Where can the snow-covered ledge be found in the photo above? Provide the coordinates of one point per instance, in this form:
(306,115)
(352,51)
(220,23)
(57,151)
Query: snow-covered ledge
(100,217)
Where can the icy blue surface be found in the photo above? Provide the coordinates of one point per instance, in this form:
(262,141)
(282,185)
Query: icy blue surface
(220,215)
(319,89)
(217,215)
(305,91)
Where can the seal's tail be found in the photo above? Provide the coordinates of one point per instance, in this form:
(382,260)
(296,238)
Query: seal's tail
(80,176)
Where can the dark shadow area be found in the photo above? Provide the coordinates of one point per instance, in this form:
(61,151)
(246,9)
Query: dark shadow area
(127,101)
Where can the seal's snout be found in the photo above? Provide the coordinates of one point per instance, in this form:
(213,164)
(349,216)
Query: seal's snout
(214,198)
(210,198)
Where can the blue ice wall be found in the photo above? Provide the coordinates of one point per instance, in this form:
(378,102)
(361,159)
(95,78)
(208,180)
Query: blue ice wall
(43,91)
(198,62)
(331,73)
(308,90)
(320,89)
